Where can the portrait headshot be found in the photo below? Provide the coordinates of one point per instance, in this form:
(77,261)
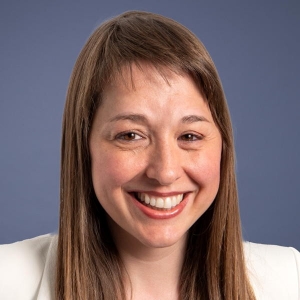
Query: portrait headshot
(150,142)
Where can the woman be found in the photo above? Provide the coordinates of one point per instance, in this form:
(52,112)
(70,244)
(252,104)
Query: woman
(149,206)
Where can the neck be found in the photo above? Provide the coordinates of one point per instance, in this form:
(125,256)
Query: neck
(151,273)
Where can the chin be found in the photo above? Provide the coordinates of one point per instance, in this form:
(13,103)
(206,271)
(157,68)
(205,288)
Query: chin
(163,240)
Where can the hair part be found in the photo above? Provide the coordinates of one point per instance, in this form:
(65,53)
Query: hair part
(88,264)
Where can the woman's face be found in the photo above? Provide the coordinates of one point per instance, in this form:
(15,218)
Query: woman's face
(155,154)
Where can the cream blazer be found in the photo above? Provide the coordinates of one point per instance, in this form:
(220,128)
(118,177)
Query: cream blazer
(27,270)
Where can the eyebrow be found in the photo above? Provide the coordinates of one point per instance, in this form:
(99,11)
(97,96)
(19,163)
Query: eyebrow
(142,119)
(193,118)
(131,117)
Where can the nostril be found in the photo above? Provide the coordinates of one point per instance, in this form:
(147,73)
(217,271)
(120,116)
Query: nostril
(164,176)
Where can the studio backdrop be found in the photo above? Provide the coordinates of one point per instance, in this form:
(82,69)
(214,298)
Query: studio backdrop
(255,46)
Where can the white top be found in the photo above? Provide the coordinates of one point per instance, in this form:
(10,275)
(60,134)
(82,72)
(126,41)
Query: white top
(27,270)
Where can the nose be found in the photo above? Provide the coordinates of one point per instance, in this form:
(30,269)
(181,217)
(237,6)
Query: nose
(164,165)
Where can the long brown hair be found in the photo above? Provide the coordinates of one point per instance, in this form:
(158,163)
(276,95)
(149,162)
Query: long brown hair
(88,264)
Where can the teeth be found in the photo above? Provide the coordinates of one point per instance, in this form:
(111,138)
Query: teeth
(152,201)
(147,198)
(168,203)
(174,201)
(160,202)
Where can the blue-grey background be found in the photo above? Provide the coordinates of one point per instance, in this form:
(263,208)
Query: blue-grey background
(256,48)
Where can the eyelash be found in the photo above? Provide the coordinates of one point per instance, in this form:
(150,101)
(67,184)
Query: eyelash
(194,137)
(187,137)
(122,136)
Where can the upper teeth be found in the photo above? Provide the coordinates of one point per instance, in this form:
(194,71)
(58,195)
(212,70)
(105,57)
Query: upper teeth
(160,202)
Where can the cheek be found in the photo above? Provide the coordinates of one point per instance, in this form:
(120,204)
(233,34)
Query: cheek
(207,177)
(206,171)
(109,171)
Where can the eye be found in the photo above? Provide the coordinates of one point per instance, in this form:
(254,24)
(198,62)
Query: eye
(128,136)
(190,137)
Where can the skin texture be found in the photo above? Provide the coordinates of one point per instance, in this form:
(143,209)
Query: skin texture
(155,136)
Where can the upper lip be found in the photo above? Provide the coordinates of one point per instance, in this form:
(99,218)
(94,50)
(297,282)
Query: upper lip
(159,194)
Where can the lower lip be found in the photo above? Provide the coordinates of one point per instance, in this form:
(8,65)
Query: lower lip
(161,214)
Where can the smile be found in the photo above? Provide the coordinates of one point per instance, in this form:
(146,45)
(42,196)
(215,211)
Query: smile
(160,202)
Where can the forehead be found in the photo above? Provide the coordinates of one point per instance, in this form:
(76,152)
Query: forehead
(133,76)
(145,89)
(142,83)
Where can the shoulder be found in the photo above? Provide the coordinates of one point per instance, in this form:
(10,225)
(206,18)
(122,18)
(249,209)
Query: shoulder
(274,271)
(23,266)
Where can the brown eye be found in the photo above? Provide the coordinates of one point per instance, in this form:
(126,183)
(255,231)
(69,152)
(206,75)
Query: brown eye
(189,137)
(128,136)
